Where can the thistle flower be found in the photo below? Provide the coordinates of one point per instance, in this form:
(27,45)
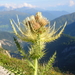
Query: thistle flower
(34,25)
(37,30)
(40,19)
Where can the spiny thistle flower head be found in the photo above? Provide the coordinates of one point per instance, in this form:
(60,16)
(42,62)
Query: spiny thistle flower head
(37,21)
(34,25)
(42,20)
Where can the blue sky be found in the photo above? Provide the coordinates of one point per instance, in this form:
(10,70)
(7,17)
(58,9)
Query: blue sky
(59,5)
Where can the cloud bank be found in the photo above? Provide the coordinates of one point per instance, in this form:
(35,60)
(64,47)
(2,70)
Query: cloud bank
(14,6)
(72,3)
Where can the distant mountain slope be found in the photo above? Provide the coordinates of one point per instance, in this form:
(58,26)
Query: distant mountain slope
(5,16)
(53,14)
(33,11)
(3,8)
(59,13)
(65,48)
(7,41)
(70,29)
(70,18)
(49,14)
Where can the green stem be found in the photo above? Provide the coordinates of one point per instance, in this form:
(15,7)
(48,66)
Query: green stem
(36,66)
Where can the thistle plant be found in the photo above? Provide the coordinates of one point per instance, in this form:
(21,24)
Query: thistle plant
(36,30)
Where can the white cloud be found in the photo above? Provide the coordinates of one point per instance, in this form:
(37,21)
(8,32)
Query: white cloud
(18,5)
(58,4)
(26,5)
(72,3)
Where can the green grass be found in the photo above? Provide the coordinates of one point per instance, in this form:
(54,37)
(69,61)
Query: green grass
(20,67)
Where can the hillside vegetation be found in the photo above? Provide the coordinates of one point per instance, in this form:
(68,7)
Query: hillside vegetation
(65,48)
(70,18)
(21,67)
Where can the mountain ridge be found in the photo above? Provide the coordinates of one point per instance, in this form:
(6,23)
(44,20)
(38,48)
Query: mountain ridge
(70,29)
(70,18)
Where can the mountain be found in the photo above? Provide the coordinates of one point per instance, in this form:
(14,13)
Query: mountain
(55,14)
(5,17)
(6,39)
(2,8)
(70,18)
(27,10)
(8,43)
(9,13)
(33,11)
(49,14)
(70,29)
(59,13)
(46,14)
(65,48)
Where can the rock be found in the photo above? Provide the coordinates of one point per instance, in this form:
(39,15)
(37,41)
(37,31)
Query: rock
(4,71)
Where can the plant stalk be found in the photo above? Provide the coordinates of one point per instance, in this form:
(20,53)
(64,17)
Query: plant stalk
(36,66)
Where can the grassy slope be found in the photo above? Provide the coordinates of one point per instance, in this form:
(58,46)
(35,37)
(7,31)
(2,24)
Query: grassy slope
(21,65)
